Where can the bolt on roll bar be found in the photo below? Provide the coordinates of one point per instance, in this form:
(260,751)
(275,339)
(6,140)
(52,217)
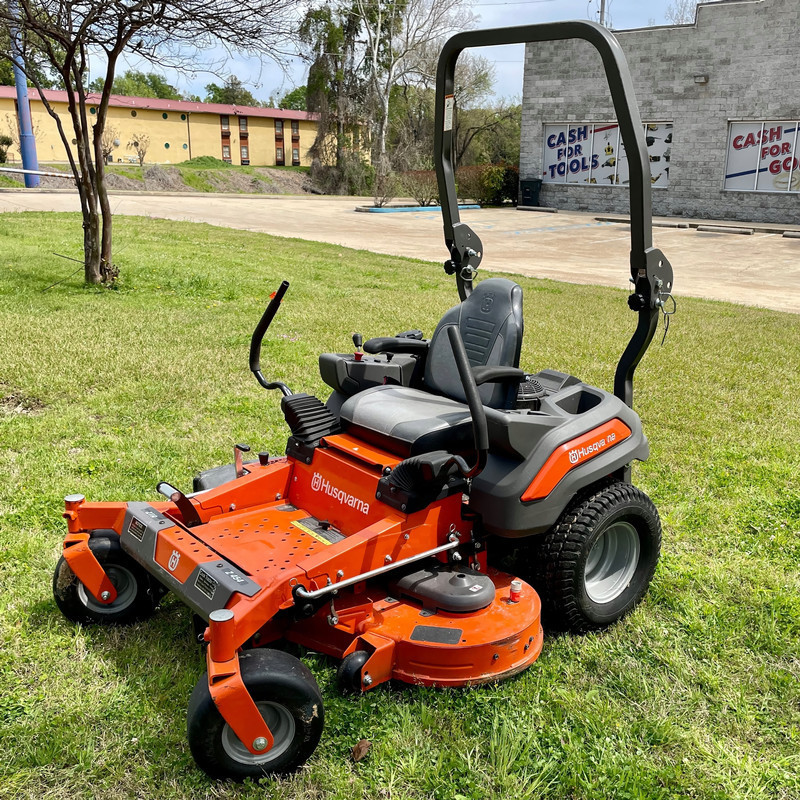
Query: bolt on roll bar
(651,273)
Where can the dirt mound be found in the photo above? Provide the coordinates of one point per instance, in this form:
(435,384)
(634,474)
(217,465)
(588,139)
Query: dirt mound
(286,181)
(116,181)
(163,179)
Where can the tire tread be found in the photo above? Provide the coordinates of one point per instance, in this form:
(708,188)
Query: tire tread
(559,552)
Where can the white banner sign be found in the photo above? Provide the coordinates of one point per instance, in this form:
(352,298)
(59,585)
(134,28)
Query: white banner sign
(592,153)
(763,157)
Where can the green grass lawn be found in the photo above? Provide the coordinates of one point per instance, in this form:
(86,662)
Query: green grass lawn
(697,694)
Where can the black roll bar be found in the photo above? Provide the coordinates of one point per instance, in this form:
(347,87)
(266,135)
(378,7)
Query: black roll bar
(651,273)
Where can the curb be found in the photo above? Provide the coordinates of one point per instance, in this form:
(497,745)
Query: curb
(402,209)
(792,233)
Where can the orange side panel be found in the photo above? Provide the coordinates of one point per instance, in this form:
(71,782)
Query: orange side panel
(573,454)
(362,451)
(178,552)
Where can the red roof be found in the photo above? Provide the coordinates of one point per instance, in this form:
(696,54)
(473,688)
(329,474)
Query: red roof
(156,104)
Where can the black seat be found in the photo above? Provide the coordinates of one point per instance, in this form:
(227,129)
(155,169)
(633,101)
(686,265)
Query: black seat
(409,421)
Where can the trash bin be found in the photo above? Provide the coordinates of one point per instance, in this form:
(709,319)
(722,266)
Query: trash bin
(530,191)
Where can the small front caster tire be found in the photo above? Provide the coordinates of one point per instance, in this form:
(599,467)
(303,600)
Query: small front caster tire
(286,694)
(348,676)
(595,564)
(137,595)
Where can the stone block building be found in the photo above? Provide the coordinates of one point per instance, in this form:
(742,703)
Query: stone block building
(720,100)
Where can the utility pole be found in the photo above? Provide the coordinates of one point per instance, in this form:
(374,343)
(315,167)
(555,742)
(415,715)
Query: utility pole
(27,141)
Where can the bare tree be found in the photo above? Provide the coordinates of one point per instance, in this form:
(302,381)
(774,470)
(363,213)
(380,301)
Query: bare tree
(12,130)
(412,114)
(140,143)
(681,12)
(65,32)
(109,141)
(398,37)
(476,122)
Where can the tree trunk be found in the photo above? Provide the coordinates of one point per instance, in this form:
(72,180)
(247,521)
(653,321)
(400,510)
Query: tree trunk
(381,162)
(91,244)
(107,271)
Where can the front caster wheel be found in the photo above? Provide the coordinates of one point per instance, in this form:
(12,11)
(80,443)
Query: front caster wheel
(348,676)
(596,563)
(137,595)
(286,694)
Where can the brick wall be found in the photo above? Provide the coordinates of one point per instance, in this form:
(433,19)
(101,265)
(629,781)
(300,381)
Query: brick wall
(748,49)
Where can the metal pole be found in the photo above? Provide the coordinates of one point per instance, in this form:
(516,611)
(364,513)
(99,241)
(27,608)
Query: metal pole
(27,141)
(602,12)
(67,175)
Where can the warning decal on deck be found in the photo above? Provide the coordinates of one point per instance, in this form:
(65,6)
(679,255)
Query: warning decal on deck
(322,533)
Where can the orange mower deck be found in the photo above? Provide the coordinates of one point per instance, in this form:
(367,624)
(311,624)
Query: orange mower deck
(266,532)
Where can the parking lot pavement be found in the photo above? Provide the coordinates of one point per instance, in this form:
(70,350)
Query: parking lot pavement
(762,269)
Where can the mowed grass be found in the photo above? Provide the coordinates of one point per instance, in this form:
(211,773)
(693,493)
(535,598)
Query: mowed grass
(696,694)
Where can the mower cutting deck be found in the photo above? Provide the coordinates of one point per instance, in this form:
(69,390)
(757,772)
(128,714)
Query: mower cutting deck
(371,540)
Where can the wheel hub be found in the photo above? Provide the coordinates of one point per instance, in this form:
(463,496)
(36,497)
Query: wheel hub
(122,580)
(281,725)
(612,562)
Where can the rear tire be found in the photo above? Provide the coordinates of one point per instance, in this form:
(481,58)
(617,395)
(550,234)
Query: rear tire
(289,699)
(137,596)
(595,564)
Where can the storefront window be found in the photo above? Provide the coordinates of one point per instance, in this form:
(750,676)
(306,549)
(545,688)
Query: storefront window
(592,153)
(763,157)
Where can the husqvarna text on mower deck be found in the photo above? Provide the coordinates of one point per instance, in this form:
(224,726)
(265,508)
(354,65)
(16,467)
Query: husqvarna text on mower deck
(368,541)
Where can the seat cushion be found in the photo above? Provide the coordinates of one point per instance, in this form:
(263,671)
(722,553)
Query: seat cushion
(491,325)
(407,421)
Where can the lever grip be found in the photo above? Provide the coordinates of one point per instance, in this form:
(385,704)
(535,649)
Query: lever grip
(480,429)
(266,319)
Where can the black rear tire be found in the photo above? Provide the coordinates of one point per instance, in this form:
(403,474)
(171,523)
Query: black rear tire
(137,598)
(595,564)
(288,697)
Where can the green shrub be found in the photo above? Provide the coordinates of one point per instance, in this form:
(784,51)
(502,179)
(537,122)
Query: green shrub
(421,185)
(353,176)
(5,143)
(489,184)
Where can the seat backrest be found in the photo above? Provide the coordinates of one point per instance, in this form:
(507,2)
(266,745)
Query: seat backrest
(491,325)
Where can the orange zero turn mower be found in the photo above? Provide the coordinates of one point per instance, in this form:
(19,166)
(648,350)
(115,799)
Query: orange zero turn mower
(371,540)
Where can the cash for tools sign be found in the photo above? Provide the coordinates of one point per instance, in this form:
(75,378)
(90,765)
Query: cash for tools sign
(763,157)
(592,153)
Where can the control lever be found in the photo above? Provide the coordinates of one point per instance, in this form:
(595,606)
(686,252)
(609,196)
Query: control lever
(189,513)
(238,449)
(480,429)
(258,337)
(358,340)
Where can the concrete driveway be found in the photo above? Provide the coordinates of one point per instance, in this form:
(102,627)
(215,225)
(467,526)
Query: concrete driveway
(761,269)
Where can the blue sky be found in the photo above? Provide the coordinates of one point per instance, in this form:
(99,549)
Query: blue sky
(268,79)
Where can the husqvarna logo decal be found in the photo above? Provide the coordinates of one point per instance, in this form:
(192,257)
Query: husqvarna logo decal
(173,560)
(579,453)
(574,453)
(320,484)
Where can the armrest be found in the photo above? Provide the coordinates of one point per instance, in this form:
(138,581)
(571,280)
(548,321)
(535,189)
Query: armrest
(393,344)
(497,375)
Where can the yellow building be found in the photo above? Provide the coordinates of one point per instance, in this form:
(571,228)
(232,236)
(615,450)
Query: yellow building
(177,129)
